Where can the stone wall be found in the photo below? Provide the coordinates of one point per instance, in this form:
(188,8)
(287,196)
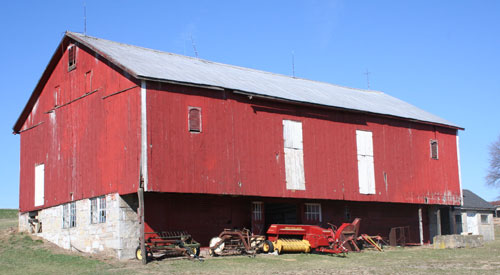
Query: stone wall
(117,236)
(457,241)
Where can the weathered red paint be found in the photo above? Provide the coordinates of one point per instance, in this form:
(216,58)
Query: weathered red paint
(240,150)
(90,146)
(90,143)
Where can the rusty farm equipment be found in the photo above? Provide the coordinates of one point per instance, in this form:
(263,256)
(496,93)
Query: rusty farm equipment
(305,238)
(169,244)
(235,241)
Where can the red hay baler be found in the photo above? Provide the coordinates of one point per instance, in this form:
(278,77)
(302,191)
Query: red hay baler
(305,238)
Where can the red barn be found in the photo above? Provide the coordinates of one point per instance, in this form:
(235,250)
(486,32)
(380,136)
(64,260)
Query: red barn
(218,146)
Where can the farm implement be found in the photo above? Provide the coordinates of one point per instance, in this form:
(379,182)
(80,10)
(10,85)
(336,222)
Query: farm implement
(234,241)
(309,238)
(169,244)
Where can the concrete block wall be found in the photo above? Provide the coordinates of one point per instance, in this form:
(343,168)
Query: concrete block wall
(118,236)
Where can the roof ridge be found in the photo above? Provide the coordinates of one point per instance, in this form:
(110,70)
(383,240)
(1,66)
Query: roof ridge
(224,64)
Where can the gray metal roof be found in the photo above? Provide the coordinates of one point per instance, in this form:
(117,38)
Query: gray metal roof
(473,201)
(152,64)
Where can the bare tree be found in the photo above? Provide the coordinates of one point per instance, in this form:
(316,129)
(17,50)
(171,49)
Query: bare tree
(493,177)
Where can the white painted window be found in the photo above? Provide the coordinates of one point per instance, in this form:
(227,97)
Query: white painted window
(366,174)
(69,215)
(294,155)
(313,212)
(65,216)
(484,219)
(39,184)
(257,211)
(98,210)
(72,214)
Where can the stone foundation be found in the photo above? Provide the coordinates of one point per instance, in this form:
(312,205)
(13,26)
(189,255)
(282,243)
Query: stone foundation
(117,236)
(458,241)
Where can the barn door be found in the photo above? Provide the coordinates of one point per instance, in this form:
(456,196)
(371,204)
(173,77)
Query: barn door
(258,218)
(472,223)
(366,174)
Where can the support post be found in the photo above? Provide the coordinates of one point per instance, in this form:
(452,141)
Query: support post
(140,194)
(420,226)
(438,222)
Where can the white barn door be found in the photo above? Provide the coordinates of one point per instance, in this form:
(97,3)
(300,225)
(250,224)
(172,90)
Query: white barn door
(472,226)
(294,155)
(366,174)
(39,184)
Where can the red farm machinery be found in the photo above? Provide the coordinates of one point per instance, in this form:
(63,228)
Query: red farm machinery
(310,238)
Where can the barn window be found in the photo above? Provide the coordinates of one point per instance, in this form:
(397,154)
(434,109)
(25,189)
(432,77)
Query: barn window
(98,210)
(72,214)
(484,219)
(434,149)
(366,174)
(257,211)
(39,184)
(69,215)
(194,119)
(71,58)
(294,155)
(313,212)
(65,216)
(347,213)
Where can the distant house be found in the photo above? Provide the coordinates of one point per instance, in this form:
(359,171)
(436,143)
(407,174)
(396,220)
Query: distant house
(496,204)
(475,216)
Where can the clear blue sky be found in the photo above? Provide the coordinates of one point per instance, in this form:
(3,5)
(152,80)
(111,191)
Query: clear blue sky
(442,56)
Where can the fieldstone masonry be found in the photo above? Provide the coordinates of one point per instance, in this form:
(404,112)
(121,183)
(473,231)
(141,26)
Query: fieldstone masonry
(118,236)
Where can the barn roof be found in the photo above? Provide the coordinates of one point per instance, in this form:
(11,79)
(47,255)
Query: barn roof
(473,201)
(149,64)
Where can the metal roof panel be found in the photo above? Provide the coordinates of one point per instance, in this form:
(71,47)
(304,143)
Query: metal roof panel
(148,63)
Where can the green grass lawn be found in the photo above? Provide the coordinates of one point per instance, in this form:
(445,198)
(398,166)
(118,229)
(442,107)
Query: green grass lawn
(21,254)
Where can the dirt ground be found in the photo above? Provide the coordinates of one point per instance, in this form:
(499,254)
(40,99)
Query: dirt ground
(24,254)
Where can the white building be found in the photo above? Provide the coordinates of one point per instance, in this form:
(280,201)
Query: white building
(475,217)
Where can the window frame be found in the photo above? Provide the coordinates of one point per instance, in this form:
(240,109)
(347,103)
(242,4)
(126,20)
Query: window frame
(485,216)
(434,142)
(313,212)
(190,128)
(72,57)
(98,210)
(257,211)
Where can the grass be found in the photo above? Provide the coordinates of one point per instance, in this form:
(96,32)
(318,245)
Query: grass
(21,254)
(8,218)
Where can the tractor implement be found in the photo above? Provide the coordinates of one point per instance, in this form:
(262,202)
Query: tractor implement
(169,244)
(235,241)
(304,238)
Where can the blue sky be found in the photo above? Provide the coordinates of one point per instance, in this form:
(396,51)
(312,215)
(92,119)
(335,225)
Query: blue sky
(442,56)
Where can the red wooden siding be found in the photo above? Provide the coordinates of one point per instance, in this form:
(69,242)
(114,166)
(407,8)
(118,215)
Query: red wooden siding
(240,150)
(89,146)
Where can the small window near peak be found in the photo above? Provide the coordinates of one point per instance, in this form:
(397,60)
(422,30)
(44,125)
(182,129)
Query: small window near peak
(194,119)
(434,149)
(71,58)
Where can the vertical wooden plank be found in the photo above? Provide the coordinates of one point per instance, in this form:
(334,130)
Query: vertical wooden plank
(140,194)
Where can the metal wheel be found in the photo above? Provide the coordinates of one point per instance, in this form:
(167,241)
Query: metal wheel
(138,254)
(267,247)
